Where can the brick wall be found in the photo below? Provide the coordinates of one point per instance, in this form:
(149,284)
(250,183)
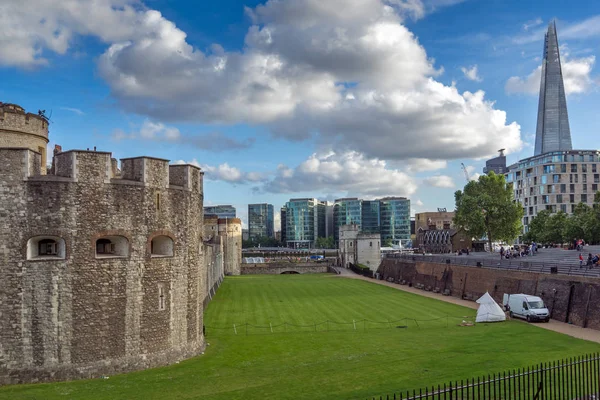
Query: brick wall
(569,299)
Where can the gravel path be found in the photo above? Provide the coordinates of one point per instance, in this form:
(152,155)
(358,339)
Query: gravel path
(575,331)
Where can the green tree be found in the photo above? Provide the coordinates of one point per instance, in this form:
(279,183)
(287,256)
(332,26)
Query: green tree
(556,228)
(325,243)
(578,222)
(486,207)
(388,243)
(538,228)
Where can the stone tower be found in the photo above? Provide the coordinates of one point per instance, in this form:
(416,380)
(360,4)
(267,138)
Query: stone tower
(553,132)
(20,129)
(230,231)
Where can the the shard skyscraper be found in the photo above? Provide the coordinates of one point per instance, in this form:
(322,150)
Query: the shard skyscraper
(552,133)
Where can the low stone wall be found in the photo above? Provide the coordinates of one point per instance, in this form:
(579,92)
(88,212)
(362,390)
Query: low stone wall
(281,268)
(569,298)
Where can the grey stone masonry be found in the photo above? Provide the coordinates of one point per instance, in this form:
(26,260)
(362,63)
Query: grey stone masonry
(101,274)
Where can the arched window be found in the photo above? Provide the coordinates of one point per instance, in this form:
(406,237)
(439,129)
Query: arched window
(161,246)
(46,248)
(112,246)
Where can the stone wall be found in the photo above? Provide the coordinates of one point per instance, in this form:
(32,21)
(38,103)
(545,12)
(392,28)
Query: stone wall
(280,268)
(82,315)
(569,298)
(230,232)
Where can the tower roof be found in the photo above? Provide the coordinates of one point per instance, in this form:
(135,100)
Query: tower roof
(552,132)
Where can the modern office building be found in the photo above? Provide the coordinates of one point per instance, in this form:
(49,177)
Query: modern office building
(305,222)
(394,219)
(329,224)
(221,211)
(347,211)
(261,221)
(283,225)
(370,214)
(556,178)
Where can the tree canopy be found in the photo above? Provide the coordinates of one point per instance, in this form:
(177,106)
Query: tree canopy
(583,223)
(487,207)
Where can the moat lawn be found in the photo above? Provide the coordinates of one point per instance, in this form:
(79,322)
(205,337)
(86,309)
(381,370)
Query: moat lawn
(329,361)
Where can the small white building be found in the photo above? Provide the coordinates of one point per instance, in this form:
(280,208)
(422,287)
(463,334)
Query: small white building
(357,247)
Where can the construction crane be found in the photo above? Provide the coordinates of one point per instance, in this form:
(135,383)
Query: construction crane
(467,177)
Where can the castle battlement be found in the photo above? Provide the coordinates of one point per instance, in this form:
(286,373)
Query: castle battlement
(99,167)
(14,118)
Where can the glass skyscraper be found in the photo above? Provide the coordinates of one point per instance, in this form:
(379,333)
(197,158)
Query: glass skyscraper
(304,221)
(346,211)
(261,221)
(370,216)
(552,132)
(394,218)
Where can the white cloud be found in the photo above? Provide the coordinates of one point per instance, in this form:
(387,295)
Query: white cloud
(227,173)
(532,24)
(277,221)
(73,110)
(440,181)
(157,131)
(471,73)
(350,173)
(308,66)
(576,76)
(424,164)
(419,203)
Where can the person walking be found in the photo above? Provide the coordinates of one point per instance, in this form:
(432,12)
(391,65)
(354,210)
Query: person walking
(580,260)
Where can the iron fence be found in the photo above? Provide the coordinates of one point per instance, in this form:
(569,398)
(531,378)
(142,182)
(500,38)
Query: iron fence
(518,264)
(569,379)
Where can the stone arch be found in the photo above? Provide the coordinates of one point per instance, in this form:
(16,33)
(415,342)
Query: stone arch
(160,243)
(111,244)
(290,272)
(46,247)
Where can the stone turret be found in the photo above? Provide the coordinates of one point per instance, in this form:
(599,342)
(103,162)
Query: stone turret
(20,129)
(230,231)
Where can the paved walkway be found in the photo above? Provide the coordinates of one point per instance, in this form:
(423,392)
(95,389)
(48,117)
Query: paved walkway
(575,331)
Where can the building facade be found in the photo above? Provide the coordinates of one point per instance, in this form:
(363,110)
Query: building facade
(556,181)
(283,227)
(104,270)
(370,216)
(305,222)
(356,247)
(261,221)
(347,211)
(496,164)
(436,220)
(395,219)
(221,211)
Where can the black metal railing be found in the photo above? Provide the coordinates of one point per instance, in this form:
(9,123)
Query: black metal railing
(569,379)
(518,264)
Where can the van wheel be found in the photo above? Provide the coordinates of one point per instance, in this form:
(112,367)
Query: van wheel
(528,319)
(547,320)
(511,314)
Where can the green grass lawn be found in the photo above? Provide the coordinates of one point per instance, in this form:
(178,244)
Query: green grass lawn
(336,361)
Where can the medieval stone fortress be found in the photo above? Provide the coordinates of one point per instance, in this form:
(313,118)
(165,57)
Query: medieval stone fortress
(105,268)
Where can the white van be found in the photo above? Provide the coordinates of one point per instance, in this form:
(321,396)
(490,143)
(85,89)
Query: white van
(524,306)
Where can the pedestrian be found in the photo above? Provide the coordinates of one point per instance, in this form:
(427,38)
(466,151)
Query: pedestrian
(501,252)
(580,260)
(589,261)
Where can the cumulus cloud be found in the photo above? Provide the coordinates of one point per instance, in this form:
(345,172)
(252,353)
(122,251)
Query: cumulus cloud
(347,70)
(471,73)
(440,181)
(157,131)
(225,172)
(351,173)
(532,24)
(424,164)
(576,76)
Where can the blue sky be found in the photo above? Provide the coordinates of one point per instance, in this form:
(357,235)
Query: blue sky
(286,99)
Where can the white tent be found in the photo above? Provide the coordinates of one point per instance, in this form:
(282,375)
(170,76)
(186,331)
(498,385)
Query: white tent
(489,310)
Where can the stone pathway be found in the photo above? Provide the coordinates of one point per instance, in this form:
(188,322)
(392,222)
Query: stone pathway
(575,331)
